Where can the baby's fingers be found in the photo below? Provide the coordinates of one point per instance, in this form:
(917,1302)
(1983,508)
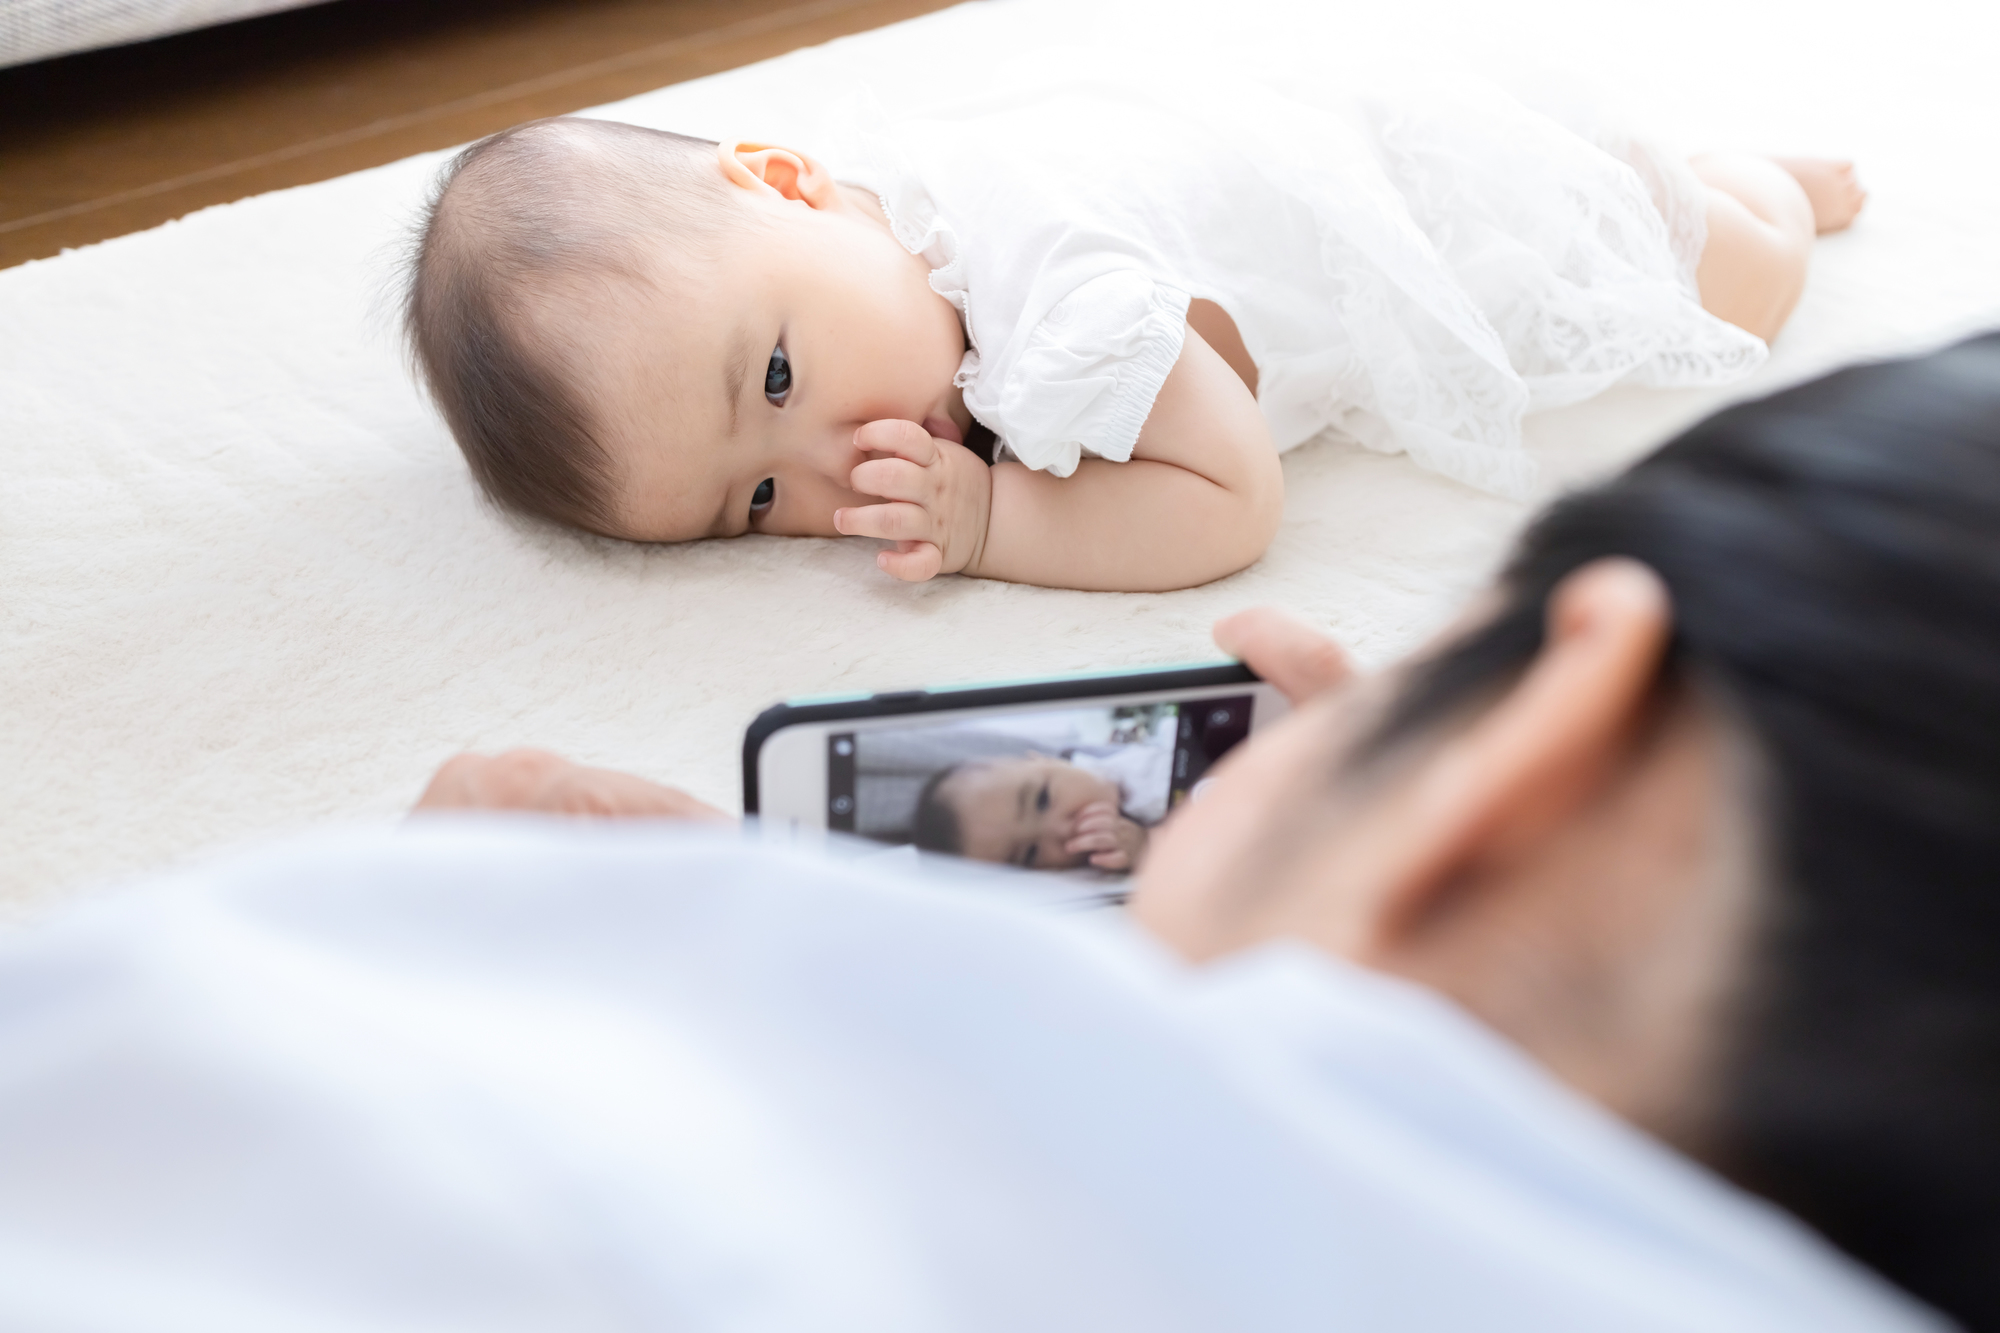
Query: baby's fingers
(1091,840)
(1098,814)
(892,479)
(904,439)
(1098,822)
(912,562)
(894,522)
(1118,860)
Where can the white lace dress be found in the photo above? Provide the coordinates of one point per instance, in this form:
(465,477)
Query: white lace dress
(1412,266)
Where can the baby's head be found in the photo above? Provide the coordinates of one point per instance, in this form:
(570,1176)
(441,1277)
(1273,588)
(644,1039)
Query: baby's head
(661,338)
(1020,811)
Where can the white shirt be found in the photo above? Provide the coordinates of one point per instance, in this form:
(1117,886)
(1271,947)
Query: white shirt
(528,1076)
(1144,774)
(1412,261)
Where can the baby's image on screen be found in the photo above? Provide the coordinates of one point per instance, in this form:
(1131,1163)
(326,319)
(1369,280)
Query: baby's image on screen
(1075,788)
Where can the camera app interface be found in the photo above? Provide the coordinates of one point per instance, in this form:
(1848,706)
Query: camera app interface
(1076,788)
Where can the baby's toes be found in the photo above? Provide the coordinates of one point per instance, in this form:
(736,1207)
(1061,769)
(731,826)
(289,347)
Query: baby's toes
(1832,187)
(1846,196)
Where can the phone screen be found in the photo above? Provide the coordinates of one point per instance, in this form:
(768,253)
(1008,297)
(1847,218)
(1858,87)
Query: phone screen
(1067,787)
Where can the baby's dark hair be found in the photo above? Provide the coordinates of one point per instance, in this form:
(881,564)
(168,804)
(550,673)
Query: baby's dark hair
(936,827)
(518,216)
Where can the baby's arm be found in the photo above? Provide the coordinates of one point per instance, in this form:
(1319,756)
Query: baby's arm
(1200,498)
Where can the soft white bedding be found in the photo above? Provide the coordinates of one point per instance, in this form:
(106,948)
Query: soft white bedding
(245,583)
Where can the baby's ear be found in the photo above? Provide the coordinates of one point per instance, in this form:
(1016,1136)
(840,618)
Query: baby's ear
(760,167)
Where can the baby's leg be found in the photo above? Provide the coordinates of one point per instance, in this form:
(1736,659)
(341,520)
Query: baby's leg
(1762,216)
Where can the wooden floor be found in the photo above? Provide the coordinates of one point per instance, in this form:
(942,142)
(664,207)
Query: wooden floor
(108,142)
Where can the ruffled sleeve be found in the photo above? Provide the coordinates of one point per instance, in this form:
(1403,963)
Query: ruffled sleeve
(1083,379)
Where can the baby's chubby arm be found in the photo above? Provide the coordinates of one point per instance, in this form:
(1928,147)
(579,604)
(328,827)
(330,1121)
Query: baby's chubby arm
(1201,497)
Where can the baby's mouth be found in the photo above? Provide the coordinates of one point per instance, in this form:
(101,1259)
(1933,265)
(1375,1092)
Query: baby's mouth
(943,428)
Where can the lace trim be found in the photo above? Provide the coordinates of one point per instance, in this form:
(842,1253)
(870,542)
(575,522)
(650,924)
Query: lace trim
(1598,251)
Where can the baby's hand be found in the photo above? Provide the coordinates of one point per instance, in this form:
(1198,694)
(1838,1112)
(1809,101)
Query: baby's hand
(1113,841)
(939,495)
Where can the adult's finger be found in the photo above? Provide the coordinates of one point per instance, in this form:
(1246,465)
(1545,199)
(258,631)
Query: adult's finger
(904,439)
(897,521)
(540,781)
(1298,659)
(490,782)
(612,795)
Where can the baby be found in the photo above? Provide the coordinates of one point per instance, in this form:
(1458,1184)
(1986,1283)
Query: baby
(1063,337)
(1037,812)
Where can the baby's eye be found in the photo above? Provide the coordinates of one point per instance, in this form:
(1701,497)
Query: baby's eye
(1029,857)
(778,377)
(766,492)
(1042,798)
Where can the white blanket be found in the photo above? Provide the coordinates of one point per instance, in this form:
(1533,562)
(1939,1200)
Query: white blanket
(245,583)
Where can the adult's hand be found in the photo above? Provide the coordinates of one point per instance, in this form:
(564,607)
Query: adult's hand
(539,781)
(1298,659)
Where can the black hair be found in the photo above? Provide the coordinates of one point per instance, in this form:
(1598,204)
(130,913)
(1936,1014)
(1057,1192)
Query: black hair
(935,827)
(1833,554)
(541,204)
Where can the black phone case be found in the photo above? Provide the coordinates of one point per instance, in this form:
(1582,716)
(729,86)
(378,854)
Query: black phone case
(943,698)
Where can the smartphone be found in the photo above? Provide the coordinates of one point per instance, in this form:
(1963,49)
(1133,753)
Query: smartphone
(1059,774)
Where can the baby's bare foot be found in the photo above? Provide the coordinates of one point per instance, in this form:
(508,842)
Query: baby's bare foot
(1831,187)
